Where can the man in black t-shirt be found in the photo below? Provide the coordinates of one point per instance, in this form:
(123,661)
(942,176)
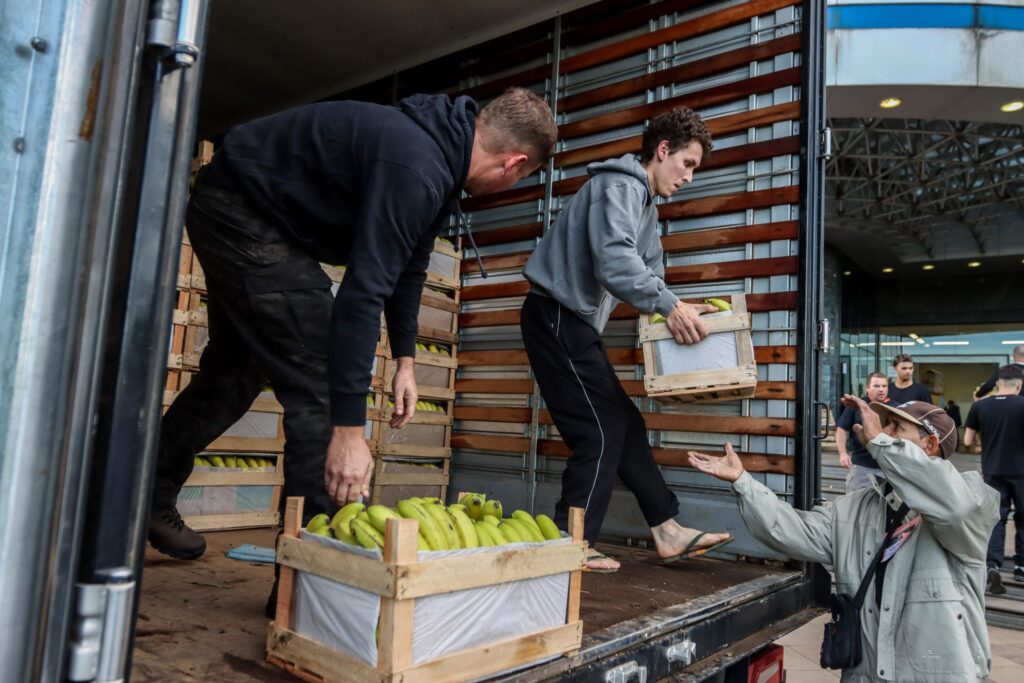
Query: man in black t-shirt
(904,388)
(999,421)
(986,388)
(852,453)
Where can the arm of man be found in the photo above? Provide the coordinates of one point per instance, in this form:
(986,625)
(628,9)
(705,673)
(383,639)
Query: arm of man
(970,437)
(398,207)
(987,388)
(972,428)
(613,224)
(801,535)
(844,456)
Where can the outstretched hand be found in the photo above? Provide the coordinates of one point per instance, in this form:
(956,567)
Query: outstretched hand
(726,467)
(870,424)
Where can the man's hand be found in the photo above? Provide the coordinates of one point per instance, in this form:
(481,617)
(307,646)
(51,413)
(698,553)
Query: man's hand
(870,424)
(349,466)
(845,460)
(727,468)
(404,387)
(684,322)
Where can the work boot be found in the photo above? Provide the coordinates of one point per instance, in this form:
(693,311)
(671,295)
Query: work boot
(1018,573)
(170,535)
(995,582)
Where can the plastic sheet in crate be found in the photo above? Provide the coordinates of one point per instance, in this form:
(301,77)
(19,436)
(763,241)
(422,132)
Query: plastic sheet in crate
(222,500)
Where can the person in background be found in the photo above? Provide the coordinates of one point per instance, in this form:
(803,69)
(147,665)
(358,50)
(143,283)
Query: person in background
(904,388)
(990,384)
(852,453)
(953,410)
(923,618)
(606,247)
(999,421)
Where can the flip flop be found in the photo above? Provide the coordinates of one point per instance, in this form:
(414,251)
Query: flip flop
(595,555)
(690,551)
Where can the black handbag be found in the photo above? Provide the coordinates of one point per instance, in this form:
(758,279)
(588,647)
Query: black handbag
(841,646)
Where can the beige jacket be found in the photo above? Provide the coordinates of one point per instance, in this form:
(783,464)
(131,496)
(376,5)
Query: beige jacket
(931,627)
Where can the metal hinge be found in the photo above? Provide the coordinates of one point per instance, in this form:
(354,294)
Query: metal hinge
(626,672)
(824,327)
(99,648)
(826,143)
(681,652)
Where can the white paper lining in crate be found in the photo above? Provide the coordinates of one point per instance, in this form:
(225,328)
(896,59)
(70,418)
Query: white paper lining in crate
(225,500)
(715,351)
(345,618)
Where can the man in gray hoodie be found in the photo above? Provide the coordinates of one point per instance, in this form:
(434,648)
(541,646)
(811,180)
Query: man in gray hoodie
(606,247)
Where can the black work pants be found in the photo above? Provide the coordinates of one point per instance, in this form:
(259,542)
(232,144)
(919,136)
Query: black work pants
(1011,492)
(595,417)
(269,307)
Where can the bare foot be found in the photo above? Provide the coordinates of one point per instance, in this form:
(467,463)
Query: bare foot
(671,539)
(597,561)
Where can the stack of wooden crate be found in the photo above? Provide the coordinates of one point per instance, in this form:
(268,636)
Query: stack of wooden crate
(223,497)
(414,460)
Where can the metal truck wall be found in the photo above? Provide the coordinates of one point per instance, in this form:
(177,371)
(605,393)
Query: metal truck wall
(606,69)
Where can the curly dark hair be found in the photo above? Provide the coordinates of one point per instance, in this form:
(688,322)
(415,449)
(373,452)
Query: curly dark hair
(902,358)
(680,126)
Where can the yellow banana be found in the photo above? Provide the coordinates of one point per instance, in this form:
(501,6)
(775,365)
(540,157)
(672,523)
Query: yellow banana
(474,503)
(430,531)
(379,516)
(547,527)
(657,318)
(464,527)
(422,543)
(444,522)
(216,461)
(509,532)
(366,535)
(341,523)
(720,304)
(493,507)
(524,530)
(318,525)
(485,534)
(528,521)
(490,519)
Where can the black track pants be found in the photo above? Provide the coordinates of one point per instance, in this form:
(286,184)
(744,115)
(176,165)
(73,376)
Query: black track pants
(269,308)
(595,417)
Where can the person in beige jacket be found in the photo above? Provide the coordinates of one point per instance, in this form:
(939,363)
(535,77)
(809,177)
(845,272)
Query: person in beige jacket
(924,619)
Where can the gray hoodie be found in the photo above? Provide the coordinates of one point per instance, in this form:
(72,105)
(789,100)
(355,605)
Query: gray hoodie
(605,247)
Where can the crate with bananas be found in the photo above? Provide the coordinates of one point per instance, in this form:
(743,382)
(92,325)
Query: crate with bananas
(445,265)
(720,367)
(424,591)
(232,491)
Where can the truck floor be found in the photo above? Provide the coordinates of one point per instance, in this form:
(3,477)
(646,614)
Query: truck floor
(204,620)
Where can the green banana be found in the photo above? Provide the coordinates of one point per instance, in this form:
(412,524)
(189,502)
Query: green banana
(526,519)
(464,526)
(444,522)
(509,532)
(547,527)
(341,523)
(252,462)
(720,304)
(366,535)
(231,461)
(493,508)
(520,528)
(430,531)
(657,318)
(217,461)
(379,516)
(457,506)
(318,525)
(421,543)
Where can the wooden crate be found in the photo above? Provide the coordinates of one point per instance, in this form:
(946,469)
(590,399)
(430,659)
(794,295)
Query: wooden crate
(401,578)
(224,489)
(394,480)
(443,271)
(719,368)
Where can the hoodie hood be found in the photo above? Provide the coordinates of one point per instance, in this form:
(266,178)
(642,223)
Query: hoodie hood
(628,164)
(451,124)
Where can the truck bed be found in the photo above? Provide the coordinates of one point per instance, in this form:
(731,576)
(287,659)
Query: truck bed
(204,620)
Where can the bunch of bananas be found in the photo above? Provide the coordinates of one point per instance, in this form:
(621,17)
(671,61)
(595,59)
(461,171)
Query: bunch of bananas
(425,406)
(433,348)
(720,304)
(244,462)
(473,522)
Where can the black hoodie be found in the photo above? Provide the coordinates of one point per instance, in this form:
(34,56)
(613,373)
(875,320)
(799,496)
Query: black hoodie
(366,186)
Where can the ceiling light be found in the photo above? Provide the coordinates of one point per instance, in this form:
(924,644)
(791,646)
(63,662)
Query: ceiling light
(888,269)
(892,103)
(919,340)
(1012,106)
(1011,342)
(847,273)
(896,344)
(973,264)
(928,266)
(913,335)
(866,344)
(951,343)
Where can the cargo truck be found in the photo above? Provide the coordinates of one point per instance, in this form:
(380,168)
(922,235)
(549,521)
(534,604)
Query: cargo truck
(99,119)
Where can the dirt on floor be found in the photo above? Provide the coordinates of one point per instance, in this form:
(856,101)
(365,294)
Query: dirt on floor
(204,620)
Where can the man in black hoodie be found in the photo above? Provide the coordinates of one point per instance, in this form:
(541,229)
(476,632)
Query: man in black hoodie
(349,183)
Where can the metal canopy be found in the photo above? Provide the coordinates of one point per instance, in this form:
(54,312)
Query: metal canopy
(925,190)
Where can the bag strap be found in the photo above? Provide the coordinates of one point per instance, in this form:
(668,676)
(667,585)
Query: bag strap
(897,519)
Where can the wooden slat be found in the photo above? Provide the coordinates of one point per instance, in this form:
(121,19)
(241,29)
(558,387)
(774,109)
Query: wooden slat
(232,520)
(778,301)
(617,355)
(684,73)
(477,358)
(488,442)
(288,647)
(720,125)
(727,92)
(522,79)
(498,291)
(775,354)
(749,234)
(451,574)
(394,651)
(292,523)
(235,478)
(732,270)
(729,203)
(713,424)
(501,262)
(246,444)
(494,386)
(489,318)
(491,414)
(676,457)
(513,233)
(335,564)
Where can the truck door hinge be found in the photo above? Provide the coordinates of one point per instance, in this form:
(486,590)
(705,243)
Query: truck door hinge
(826,143)
(626,672)
(824,328)
(102,624)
